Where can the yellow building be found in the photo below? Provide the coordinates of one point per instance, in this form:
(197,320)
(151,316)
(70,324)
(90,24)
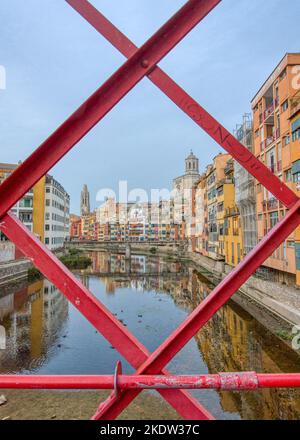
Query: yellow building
(233,236)
(225,200)
(39,209)
(231,221)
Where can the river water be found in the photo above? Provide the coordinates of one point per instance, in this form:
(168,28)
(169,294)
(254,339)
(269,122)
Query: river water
(151,296)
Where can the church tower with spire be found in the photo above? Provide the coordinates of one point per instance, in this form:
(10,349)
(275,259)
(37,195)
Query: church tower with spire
(85,207)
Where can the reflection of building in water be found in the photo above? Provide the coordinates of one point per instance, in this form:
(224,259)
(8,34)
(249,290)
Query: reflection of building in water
(32,318)
(56,309)
(233,341)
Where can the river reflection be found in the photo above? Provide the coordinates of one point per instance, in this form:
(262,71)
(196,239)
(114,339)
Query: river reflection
(152,296)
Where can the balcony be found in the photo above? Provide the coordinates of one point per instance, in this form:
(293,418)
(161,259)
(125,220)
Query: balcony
(270,205)
(268,112)
(279,166)
(269,141)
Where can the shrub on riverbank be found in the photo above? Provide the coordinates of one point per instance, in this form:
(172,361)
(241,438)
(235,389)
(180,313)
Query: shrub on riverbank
(33,274)
(76,261)
(73,260)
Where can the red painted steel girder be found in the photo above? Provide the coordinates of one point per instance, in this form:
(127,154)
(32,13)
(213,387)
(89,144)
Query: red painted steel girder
(207,308)
(57,145)
(221,381)
(189,106)
(102,101)
(35,250)
(94,311)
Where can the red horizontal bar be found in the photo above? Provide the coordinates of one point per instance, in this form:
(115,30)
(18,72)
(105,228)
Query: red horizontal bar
(101,102)
(222,381)
(189,106)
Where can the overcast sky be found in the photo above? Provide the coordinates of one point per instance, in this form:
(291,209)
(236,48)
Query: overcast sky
(54,60)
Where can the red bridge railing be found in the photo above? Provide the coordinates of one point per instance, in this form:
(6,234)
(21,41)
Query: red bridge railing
(150,372)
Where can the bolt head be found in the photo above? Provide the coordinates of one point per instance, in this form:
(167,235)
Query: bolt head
(145,63)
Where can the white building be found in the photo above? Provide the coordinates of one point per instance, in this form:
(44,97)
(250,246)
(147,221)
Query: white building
(57,214)
(183,190)
(24,207)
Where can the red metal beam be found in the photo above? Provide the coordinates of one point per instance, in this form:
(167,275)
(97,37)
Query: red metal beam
(189,106)
(101,102)
(221,381)
(94,311)
(201,315)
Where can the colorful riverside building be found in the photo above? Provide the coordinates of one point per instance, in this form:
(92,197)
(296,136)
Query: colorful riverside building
(75,227)
(216,202)
(44,209)
(276,124)
(31,208)
(218,233)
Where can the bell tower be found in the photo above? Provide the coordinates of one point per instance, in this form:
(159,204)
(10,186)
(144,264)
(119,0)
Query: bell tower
(191,164)
(85,201)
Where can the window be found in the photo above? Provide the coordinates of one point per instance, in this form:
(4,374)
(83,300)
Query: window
(296,130)
(47,228)
(47,202)
(288,175)
(285,106)
(257,133)
(46,240)
(283,75)
(296,178)
(239,252)
(274,218)
(286,140)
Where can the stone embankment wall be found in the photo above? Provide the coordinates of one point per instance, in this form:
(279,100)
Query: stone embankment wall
(13,271)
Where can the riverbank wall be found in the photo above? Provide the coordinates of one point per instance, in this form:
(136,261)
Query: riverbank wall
(15,270)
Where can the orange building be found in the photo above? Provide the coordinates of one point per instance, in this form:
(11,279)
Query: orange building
(75,226)
(89,228)
(276,143)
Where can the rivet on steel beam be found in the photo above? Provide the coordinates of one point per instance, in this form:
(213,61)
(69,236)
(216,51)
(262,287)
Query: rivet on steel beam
(145,63)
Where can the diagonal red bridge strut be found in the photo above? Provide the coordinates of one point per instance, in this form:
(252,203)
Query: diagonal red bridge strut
(58,144)
(141,62)
(113,406)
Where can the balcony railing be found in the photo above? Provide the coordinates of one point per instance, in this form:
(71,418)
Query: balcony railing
(279,166)
(269,141)
(268,112)
(270,204)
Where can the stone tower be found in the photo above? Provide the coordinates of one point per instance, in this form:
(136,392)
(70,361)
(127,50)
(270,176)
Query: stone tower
(191,164)
(85,201)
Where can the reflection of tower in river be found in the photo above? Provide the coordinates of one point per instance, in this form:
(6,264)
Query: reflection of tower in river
(85,279)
